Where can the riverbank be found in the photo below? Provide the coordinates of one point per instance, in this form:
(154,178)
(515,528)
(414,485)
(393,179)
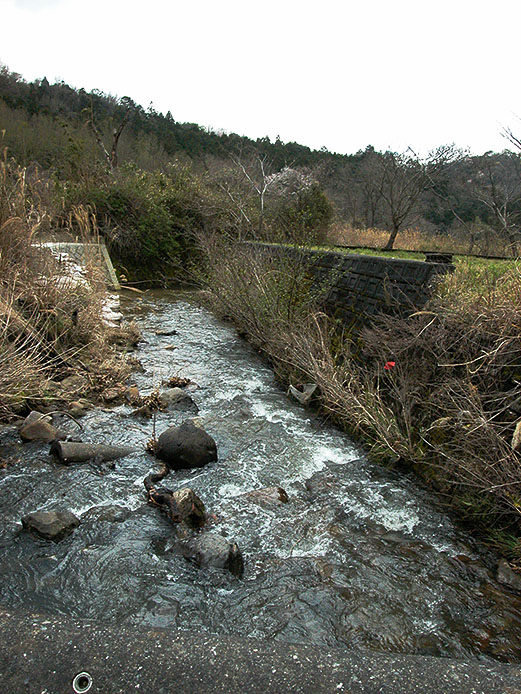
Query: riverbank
(437,392)
(59,347)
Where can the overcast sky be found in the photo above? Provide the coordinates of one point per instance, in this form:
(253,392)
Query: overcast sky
(339,74)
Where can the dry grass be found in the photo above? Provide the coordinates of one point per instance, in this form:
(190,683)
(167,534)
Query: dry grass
(481,240)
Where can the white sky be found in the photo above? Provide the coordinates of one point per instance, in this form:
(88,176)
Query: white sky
(339,74)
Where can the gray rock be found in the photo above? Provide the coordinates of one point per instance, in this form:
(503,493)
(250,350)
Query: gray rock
(51,525)
(214,550)
(178,398)
(186,446)
(37,427)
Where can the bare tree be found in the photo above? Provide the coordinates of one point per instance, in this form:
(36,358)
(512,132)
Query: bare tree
(497,185)
(256,170)
(401,179)
(110,157)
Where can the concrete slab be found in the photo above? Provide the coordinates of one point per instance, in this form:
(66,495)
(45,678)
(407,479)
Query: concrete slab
(42,655)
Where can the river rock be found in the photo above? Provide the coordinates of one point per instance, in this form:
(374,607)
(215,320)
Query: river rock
(186,446)
(178,398)
(267,497)
(214,550)
(37,427)
(79,452)
(507,576)
(51,525)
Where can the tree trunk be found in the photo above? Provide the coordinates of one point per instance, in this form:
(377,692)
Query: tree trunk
(392,238)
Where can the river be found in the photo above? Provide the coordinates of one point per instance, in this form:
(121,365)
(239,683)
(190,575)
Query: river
(360,556)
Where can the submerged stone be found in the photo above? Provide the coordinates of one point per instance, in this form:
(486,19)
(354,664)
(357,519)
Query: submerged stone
(51,525)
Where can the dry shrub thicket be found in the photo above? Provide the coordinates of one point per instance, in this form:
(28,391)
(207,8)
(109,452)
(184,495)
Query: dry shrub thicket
(448,407)
(50,326)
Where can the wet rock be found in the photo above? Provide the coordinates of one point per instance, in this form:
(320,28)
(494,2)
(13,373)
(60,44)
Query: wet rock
(186,446)
(322,482)
(170,347)
(51,525)
(507,576)
(190,507)
(37,427)
(109,514)
(178,398)
(213,550)
(143,411)
(267,497)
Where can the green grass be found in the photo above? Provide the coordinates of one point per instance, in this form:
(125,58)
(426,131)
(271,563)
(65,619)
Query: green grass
(468,264)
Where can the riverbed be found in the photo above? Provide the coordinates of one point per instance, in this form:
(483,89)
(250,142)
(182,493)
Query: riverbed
(359,556)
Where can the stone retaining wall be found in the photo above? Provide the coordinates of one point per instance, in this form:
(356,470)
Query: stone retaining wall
(357,287)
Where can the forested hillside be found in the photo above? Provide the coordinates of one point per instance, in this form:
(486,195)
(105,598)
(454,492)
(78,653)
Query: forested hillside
(248,184)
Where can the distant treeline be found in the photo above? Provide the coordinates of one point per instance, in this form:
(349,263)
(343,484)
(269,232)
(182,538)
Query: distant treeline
(72,132)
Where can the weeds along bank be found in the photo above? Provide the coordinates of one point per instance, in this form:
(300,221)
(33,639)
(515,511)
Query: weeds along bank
(439,392)
(54,345)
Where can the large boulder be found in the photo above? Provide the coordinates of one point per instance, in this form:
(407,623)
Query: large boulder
(186,446)
(214,550)
(51,525)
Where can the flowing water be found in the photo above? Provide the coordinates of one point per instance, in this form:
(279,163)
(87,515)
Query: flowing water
(359,556)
